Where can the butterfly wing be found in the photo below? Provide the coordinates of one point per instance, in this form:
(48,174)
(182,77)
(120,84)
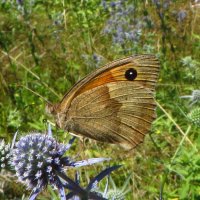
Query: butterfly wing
(110,106)
(146,66)
(115,113)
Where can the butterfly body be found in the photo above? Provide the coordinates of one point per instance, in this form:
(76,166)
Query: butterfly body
(114,104)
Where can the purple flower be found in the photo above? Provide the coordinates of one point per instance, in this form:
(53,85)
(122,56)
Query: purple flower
(181,15)
(39,160)
(20,2)
(94,60)
(121,26)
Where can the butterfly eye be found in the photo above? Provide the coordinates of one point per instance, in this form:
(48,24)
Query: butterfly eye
(130,74)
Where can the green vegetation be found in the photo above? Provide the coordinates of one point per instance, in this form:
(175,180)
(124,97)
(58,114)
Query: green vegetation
(46,46)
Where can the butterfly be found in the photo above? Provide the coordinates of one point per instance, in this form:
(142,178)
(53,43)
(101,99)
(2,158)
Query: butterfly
(113,104)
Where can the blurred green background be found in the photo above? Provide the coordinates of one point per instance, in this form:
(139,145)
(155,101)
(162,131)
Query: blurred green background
(46,46)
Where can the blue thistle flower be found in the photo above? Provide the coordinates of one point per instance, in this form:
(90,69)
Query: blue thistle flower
(118,193)
(194,116)
(181,15)
(121,26)
(20,2)
(5,154)
(94,60)
(39,160)
(194,97)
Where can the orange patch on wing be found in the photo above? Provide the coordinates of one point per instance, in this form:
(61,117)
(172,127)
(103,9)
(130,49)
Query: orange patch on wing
(113,75)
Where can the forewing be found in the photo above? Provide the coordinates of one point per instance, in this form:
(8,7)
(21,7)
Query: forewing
(147,67)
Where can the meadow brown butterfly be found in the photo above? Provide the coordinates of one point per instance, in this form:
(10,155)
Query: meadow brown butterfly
(114,104)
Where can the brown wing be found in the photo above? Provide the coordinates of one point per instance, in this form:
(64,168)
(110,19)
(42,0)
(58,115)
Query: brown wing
(118,112)
(108,106)
(147,67)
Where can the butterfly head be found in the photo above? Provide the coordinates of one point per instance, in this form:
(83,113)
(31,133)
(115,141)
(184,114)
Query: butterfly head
(51,108)
(60,116)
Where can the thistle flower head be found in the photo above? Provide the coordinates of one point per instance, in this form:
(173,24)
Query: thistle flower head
(39,160)
(5,154)
(194,116)
(117,193)
(181,15)
(20,2)
(194,97)
(119,26)
(36,158)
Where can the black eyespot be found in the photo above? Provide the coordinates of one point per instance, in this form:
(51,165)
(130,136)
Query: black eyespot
(130,74)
